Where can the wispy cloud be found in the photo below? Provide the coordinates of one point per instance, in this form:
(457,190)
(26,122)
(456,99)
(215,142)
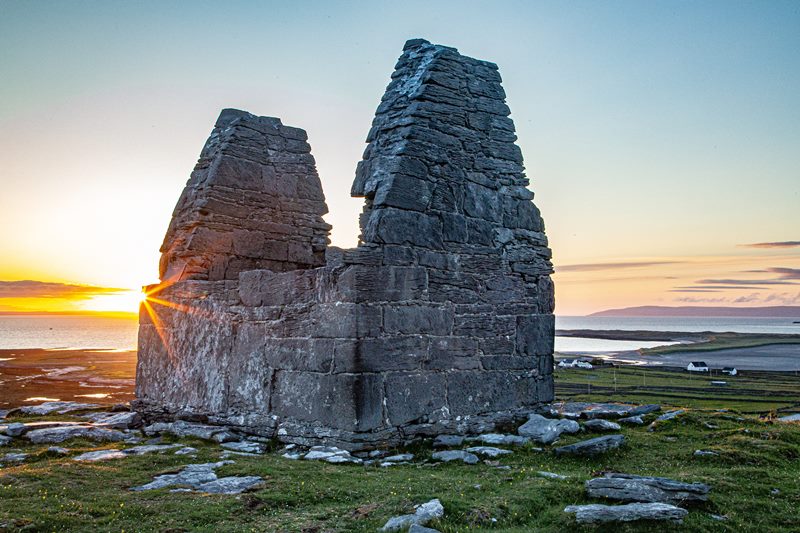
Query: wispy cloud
(43,289)
(722,287)
(695,300)
(592,267)
(751,282)
(690,289)
(780,244)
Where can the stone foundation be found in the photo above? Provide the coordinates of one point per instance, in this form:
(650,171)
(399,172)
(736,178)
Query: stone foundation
(440,321)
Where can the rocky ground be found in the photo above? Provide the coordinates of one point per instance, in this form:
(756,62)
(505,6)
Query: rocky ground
(77,466)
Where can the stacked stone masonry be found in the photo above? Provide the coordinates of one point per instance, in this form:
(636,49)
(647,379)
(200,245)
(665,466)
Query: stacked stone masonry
(440,321)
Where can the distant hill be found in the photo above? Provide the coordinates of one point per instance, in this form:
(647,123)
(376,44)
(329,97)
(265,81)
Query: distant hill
(781,311)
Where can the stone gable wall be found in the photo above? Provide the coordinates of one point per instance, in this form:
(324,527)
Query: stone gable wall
(441,320)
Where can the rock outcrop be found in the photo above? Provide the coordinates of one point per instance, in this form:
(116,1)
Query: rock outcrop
(440,321)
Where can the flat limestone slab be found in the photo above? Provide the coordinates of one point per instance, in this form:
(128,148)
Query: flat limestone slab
(632,512)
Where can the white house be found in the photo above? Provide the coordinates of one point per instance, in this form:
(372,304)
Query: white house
(731,371)
(567,363)
(697,366)
(584,364)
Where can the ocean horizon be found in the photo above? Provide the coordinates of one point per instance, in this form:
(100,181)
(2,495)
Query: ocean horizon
(115,333)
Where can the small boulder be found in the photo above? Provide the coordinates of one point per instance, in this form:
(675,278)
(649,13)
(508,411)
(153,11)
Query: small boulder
(632,488)
(599,425)
(551,475)
(790,418)
(455,455)
(15,430)
(246,446)
(447,441)
(705,453)
(594,446)
(330,454)
(503,440)
(230,485)
(4,440)
(423,514)
(58,407)
(60,434)
(599,514)
(416,528)
(632,420)
(14,457)
(488,451)
(546,430)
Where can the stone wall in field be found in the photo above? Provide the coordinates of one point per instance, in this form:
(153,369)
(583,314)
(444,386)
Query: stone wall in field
(441,320)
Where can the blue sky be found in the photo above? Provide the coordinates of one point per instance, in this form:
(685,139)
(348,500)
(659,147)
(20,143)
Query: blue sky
(651,130)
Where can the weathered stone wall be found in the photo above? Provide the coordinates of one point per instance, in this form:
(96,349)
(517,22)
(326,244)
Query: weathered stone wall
(441,320)
(254,200)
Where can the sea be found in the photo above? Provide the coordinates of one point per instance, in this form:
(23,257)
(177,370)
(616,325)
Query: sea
(90,332)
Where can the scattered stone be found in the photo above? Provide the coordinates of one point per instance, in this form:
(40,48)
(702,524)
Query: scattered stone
(14,457)
(632,488)
(60,434)
(4,413)
(293,456)
(104,455)
(416,528)
(775,492)
(790,418)
(181,428)
(58,407)
(702,453)
(377,454)
(631,512)
(489,451)
(150,448)
(231,485)
(402,457)
(126,420)
(670,415)
(14,430)
(200,477)
(497,438)
(710,426)
(718,517)
(188,450)
(330,454)
(455,455)
(4,440)
(423,514)
(58,450)
(447,441)
(546,430)
(594,446)
(246,446)
(551,475)
(99,455)
(599,425)
(670,439)
(590,410)
(632,420)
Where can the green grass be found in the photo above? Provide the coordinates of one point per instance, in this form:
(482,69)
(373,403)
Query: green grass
(51,493)
(750,392)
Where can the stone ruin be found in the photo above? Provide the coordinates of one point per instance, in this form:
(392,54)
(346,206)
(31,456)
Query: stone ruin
(439,321)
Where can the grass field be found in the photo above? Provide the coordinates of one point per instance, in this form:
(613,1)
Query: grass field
(755,479)
(751,392)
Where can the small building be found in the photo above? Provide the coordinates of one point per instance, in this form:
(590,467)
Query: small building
(731,371)
(697,366)
(584,364)
(567,363)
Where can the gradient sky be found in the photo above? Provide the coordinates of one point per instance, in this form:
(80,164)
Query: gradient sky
(660,137)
